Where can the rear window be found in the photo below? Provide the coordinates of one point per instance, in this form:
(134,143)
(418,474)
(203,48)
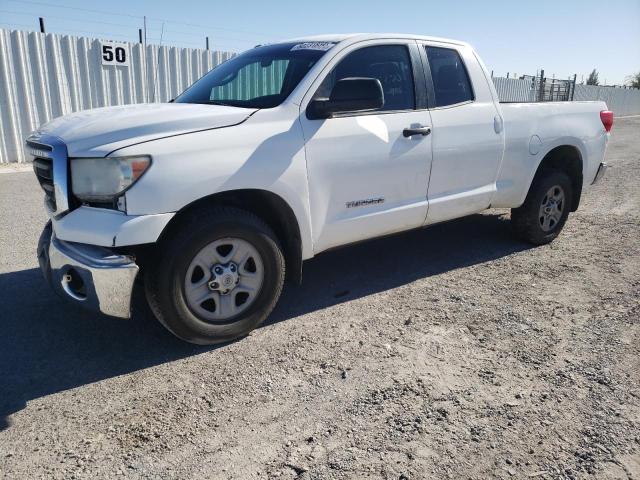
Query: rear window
(450,79)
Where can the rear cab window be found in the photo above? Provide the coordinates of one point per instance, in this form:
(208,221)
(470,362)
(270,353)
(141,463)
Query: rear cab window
(391,64)
(450,77)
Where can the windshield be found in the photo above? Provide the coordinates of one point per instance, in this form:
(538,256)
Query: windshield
(259,78)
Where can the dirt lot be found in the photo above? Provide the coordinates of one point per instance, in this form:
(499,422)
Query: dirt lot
(451,352)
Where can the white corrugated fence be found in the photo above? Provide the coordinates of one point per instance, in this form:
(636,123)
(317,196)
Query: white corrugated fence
(45,76)
(515,90)
(621,101)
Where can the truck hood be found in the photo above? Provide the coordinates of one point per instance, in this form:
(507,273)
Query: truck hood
(100,131)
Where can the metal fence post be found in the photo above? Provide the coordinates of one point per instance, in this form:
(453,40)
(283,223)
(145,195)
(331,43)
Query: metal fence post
(573,86)
(541,88)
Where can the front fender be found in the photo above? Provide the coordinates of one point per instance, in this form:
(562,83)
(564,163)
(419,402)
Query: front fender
(264,153)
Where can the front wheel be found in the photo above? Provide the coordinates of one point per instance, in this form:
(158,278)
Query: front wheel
(217,278)
(545,210)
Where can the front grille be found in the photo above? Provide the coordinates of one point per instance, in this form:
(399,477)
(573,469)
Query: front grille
(38,149)
(50,164)
(43,167)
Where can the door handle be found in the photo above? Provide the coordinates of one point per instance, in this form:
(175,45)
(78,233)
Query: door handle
(409,132)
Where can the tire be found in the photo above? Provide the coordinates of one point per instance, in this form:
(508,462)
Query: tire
(531,222)
(172,278)
(43,252)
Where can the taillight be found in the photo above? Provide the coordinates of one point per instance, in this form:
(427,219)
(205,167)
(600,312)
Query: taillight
(607,119)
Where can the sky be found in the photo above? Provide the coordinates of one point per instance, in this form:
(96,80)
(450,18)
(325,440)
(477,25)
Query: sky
(563,37)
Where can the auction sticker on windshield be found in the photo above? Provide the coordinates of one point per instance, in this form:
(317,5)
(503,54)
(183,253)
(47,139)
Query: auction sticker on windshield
(323,46)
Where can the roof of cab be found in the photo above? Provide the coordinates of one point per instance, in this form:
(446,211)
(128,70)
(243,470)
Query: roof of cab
(358,37)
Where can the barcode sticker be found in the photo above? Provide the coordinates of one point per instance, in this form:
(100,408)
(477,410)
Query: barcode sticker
(322,46)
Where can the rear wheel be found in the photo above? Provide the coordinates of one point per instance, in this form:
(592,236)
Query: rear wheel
(218,277)
(544,212)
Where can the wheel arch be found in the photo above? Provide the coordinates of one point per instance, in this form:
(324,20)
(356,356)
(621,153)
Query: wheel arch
(270,207)
(568,159)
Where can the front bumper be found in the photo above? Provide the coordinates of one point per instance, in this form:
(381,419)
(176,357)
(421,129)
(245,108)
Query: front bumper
(109,228)
(91,276)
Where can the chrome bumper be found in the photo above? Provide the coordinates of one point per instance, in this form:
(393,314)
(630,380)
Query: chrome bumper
(600,173)
(91,276)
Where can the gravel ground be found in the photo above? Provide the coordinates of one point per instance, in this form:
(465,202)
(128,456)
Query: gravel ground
(450,352)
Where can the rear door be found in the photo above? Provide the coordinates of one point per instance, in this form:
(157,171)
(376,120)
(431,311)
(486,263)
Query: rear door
(467,135)
(366,178)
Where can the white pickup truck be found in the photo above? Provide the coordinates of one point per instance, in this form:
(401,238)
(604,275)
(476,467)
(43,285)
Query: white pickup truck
(288,150)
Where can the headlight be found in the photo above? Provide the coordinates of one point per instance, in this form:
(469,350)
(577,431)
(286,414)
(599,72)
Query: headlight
(104,179)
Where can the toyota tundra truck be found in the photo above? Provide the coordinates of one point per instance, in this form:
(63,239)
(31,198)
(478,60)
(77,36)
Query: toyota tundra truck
(287,150)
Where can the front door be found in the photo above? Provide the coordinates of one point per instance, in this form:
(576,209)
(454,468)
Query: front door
(366,178)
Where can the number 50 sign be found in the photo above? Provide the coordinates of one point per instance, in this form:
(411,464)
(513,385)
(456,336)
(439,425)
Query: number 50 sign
(114,53)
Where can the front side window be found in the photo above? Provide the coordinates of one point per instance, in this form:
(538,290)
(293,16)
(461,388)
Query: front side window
(390,64)
(259,78)
(450,79)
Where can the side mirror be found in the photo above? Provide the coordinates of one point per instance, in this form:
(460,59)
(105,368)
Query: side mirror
(353,94)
